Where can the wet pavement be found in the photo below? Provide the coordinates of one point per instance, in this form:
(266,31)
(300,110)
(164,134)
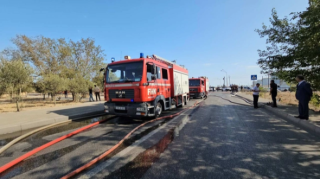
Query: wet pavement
(226,140)
(73,152)
(6,138)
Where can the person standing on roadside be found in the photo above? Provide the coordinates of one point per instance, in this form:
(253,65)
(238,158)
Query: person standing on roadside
(256,91)
(65,94)
(273,93)
(303,94)
(90,94)
(97,92)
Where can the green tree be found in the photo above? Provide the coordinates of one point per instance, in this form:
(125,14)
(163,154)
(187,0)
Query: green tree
(15,77)
(40,87)
(79,86)
(293,45)
(76,63)
(83,66)
(47,55)
(53,84)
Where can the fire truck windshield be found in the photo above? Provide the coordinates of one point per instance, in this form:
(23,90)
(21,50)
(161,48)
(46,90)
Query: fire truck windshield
(125,72)
(194,82)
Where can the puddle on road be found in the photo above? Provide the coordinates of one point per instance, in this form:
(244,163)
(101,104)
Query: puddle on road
(139,166)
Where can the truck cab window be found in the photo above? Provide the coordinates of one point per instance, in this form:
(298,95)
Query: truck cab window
(149,72)
(164,74)
(202,82)
(158,73)
(124,73)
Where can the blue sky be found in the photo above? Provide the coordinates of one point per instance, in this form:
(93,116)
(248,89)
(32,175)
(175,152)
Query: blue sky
(204,35)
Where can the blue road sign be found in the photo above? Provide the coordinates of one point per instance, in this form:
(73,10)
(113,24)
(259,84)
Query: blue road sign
(254,77)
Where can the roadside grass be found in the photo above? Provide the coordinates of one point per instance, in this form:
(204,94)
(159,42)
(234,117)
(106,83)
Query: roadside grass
(35,104)
(288,98)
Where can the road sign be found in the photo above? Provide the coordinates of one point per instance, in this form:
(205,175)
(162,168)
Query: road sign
(254,77)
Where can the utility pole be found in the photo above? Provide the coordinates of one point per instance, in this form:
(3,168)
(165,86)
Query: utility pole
(229,81)
(225,76)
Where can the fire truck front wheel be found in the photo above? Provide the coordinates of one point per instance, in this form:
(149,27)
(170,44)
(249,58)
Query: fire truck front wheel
(158,110)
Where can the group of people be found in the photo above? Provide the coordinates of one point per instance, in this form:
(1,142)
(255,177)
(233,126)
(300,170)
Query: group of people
(96,91)
(234,88)
(303,95)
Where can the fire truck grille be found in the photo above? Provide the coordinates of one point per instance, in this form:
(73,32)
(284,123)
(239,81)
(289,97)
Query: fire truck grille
(125,94)
(193,90)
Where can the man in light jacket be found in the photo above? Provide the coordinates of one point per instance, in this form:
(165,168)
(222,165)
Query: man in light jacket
(96,90)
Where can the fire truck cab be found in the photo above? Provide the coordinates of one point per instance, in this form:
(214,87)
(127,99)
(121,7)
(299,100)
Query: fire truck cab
(144,87)
(198,87)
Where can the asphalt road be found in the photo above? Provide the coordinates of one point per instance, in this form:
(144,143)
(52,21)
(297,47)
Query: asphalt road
(225,140)
(71,153)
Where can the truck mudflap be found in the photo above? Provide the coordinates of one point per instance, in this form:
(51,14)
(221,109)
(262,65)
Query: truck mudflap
(197,95)
(136,110)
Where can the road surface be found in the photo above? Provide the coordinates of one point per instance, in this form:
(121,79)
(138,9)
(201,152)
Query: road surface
(225,140)
(220,140)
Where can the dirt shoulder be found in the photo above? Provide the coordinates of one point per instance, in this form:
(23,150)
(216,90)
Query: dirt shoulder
(34,103)
(287,98)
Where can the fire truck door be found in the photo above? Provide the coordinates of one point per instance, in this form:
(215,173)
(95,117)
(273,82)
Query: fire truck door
(159,82)
(152,80)
(165,83)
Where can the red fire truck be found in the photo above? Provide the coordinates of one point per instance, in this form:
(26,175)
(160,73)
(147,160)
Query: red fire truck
(144,87)
(199,87)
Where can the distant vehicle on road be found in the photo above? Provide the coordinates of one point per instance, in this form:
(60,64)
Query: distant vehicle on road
(226,89)
(246,88)
(283,88)
(198,87)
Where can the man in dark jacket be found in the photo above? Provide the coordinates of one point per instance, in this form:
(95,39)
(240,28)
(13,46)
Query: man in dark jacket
(303,94)
(273,92)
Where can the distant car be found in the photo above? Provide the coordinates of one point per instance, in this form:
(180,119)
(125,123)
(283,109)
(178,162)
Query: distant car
(226,89)
(283,89)
(246,88)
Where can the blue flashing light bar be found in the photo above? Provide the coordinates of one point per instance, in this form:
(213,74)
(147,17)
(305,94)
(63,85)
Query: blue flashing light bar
(132,100)
(141,55)
(113,59)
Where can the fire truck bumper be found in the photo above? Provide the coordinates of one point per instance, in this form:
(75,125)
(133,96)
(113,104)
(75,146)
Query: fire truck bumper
(196,95)
(136,110)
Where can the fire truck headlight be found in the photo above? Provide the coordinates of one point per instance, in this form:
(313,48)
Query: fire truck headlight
(141,109)
(106,107)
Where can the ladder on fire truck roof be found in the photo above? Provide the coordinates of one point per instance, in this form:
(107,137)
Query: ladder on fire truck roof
(169,63)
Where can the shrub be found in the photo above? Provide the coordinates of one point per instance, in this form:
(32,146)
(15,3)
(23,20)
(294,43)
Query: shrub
(315,100)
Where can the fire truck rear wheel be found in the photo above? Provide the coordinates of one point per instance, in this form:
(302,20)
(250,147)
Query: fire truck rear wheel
(158,110)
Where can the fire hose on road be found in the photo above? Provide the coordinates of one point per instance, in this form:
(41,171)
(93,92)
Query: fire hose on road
(36,150)
(97,159)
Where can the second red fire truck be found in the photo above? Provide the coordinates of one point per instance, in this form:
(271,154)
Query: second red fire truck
(199,87)
(144,86)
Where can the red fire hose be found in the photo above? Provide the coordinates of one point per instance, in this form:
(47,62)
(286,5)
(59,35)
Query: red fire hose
(36,150)
(92,162)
